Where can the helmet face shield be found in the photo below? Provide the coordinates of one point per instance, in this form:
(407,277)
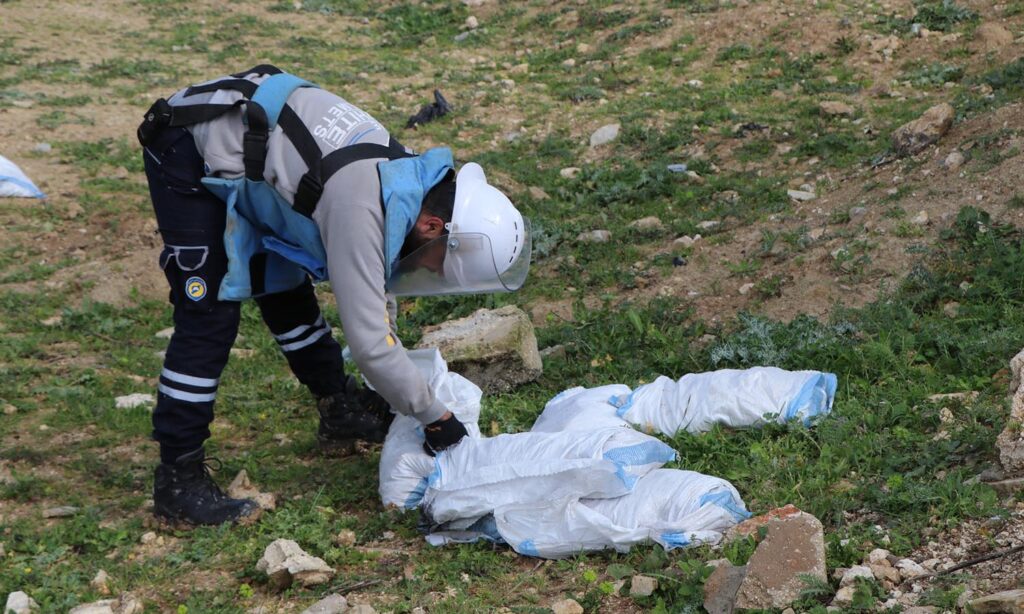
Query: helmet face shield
(462,263)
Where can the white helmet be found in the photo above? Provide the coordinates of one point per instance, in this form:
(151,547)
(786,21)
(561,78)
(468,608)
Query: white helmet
(487,247)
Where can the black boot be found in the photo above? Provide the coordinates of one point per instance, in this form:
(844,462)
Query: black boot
(357,414)
(184,491)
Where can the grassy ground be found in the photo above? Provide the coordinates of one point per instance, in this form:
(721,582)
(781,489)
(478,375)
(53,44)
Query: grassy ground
(733,91)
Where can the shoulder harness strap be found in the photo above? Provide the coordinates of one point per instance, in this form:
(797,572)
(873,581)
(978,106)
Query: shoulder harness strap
(162,115)
(266,107)
(311,186)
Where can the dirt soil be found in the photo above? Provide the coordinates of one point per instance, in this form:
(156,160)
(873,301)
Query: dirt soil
(112,259)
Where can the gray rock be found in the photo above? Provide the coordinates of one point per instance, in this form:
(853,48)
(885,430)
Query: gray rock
(650,222)
(834,107)
(101,583)
(20,603)
(857,571)
(538,193)
(728,196)
(642,586)
(566,606)
(709,224)
(125,604)
(285,563)
(164,333)
(63,511)
(801,195)
(604,135)
(886,573)
(954,160)
(721,586)
(495,349)
(676,168)
(345,537)
(1009,602)
(553,352)
(42,148)
(844,596)
(686,241)
(794,547)
(569,172)
(133,400)
(914,136)
(857,212)
(331,604)
(1011,441)
(909,569)
(362,608)
(242,488)
(594,236)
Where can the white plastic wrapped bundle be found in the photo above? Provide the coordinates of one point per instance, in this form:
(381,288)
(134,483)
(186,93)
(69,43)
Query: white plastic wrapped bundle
(404,466)
(581,409)
(671,507)
(734,398)
(479,476)
(13,182)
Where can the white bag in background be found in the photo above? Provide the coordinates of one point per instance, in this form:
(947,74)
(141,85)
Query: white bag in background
(581,409)
(13,182)
(404,466)
(671,507)
(735,398)
(478,476)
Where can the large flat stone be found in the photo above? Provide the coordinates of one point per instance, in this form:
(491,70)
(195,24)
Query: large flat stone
(495,349)
(794,547)
(1006,602)
(1011,441)
(914,136)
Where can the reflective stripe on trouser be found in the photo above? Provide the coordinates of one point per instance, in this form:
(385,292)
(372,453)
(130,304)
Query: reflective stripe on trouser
(191,221)
(299,328)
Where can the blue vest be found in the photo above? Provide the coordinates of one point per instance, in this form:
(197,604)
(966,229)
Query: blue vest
(271,247)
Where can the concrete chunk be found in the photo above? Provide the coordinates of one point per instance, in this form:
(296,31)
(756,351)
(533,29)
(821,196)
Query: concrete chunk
(495,349)
(794,547)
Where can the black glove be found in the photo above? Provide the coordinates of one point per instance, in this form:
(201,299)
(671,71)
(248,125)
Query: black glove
(443,434)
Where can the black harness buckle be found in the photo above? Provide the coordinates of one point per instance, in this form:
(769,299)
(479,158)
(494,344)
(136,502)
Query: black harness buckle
(156,118)
(307,194)
(254,154)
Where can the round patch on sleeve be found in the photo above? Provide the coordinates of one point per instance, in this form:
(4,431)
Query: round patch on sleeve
(195,288)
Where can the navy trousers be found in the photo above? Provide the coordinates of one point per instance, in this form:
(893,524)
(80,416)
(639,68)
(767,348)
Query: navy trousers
(191,222)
